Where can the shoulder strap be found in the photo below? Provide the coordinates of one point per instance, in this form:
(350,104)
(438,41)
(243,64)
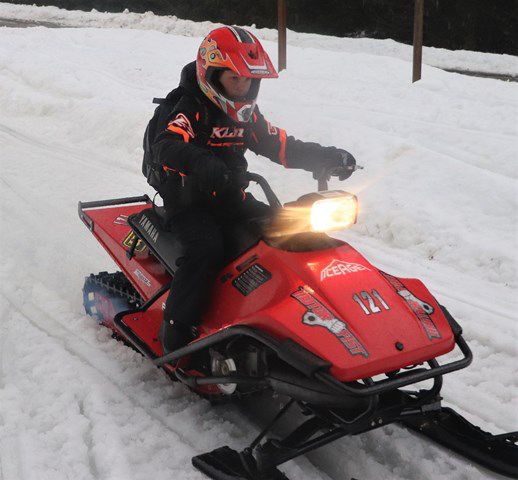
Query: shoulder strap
(174,96)
(204,110)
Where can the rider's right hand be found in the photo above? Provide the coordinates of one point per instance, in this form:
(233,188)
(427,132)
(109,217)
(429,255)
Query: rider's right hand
(213,175)
(347,167)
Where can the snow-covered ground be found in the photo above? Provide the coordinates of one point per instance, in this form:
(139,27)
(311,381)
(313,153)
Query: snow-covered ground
(437,57)
(439,201)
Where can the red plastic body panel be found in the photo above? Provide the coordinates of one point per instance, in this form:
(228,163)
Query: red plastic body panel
(358,345)
(113,233)
(332,302)
(146,325)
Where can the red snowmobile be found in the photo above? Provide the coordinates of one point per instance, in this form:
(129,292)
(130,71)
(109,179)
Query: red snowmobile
(298,313)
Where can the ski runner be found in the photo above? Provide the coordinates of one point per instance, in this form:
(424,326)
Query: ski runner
(195,161)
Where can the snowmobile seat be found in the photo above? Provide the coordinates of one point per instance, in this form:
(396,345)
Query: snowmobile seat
(164,244)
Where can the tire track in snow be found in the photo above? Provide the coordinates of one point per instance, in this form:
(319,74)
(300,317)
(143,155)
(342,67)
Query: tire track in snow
(10,467)
(88,440)
(30,426)
(64,154)
(63,337)
(477,305)
(3,340)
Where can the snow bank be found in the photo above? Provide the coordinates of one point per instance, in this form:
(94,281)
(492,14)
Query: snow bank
(438,57)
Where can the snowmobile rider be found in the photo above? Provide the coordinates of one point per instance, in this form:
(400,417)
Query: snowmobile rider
(197,155)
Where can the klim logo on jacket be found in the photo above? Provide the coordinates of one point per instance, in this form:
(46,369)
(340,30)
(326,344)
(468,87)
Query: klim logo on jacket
(227,132)
(339,267)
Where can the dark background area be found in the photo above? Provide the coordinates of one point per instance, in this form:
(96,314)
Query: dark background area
(483,25)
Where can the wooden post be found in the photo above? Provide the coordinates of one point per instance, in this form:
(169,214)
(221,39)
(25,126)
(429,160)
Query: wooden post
(418,39)
(281,38)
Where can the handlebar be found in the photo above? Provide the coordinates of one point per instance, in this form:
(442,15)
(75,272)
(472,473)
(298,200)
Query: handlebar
(273,200)
(323,176)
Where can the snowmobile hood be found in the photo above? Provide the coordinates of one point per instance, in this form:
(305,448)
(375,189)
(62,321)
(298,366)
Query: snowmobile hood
(336,304)
(364,320)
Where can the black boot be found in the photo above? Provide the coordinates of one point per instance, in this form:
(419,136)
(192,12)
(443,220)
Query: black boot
(174,336)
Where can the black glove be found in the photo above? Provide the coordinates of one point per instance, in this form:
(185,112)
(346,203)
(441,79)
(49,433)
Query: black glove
(239,178)
(346,164)
(212,174)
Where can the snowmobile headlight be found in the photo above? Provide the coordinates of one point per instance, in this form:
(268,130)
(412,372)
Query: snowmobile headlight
(335,212)
(316,212)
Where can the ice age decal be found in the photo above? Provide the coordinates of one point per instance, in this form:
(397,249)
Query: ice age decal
(317,315)
(341,267)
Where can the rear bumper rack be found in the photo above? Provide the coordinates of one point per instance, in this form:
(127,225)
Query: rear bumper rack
(82,206)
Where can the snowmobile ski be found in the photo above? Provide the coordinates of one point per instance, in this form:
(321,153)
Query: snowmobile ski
(498,453)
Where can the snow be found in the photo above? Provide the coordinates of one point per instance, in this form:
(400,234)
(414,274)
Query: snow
(438,201)
(438,57)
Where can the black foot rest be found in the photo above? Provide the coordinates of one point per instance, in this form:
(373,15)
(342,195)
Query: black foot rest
(227,464)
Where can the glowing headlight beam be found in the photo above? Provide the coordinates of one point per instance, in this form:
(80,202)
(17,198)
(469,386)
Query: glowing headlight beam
(335,213)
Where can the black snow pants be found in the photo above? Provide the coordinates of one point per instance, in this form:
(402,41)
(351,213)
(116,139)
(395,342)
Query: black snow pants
(203,234)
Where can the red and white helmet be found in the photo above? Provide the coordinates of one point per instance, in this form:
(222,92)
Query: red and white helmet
(236,49)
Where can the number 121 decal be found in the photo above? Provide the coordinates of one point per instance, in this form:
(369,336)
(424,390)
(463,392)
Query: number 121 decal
(366,301)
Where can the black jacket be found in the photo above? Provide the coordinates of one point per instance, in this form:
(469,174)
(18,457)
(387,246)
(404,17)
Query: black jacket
(198,130)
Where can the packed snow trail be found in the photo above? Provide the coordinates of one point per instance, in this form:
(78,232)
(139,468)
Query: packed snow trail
(438,200)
